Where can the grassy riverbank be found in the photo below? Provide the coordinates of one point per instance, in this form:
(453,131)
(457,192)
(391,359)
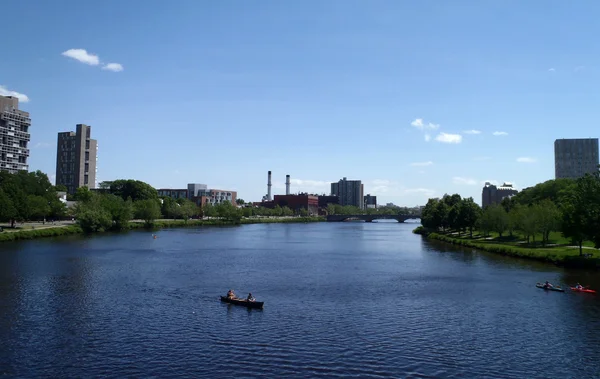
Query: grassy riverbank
(557,251)
(48,230)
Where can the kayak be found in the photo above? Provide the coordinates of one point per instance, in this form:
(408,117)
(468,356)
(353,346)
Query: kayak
(243,302)
(558,289)
(583,290)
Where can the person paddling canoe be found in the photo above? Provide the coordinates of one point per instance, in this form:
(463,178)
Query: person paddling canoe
(578,286)
(548,285)
(230,294)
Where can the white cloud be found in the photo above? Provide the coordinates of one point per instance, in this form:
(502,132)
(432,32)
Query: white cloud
(82,56)
(428,163)
(419,124)
(551,70)
(424,191)
(114,67)
(482,158)
(526,160)
(448,138)
(6,92)
(461,180)
(472,131)
(427,137)
(500,133)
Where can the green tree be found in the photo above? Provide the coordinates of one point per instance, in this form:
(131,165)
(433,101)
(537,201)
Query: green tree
(187,209)
(82,194)
(581,212)
(92,216)
(147,210)
(134,189)
(498,218)
(240,201)
(303,212)
(60,188)
(38,207)
(548,218)
(169,207)
(121,211)
(470,212)
(209,210)
(247,212)
(7,210)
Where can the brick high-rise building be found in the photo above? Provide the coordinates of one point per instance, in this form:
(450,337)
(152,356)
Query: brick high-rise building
(349,192)
(14,135)
(573,158)
(76,155)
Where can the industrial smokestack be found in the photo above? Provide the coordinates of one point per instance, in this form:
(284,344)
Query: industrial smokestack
(287,184)
(269,188)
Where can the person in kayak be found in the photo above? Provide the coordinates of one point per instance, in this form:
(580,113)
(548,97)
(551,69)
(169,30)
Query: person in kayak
(250,297)
(230,294)
(548,285)
(578,286)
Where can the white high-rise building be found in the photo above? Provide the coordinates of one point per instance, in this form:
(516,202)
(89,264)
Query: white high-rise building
(14,135)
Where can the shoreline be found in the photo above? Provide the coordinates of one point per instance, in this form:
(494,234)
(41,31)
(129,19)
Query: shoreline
(547,255)
(72,229)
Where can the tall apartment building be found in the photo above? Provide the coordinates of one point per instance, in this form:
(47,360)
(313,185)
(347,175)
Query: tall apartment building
(371,201)
(14,135)
(573,158)
(494,195)
(349,192)
(76,156)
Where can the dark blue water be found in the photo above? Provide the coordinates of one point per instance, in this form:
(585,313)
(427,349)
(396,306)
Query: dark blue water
(341,300)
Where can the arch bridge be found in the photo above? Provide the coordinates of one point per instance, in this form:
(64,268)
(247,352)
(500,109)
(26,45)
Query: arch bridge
(371,218)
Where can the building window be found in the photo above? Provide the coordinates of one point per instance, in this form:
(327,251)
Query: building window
(87,144)
(85,179)
(87,155)
(87,167)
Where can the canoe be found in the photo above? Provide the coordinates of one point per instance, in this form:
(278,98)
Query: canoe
(583,290)
(558,289)
(243,302)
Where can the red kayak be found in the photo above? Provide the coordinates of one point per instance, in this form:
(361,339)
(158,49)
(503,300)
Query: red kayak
(583,290)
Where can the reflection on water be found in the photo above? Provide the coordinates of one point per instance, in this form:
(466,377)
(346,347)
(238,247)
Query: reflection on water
(341,300)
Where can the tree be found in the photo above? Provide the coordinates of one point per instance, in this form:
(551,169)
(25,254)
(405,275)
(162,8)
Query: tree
(82,194)
(240,201)
(168,207)
(497,217)
(228,211)
(60,188)
(469,214)
(38,207)
(92,216)
(134,189)
(187,209)
(548,218)
(247,212)
(209,210)
(120,211)
(7,210)
(581,212)
(331,208)
(147,210)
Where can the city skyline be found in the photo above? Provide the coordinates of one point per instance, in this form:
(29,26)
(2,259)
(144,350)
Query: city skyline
(414,112)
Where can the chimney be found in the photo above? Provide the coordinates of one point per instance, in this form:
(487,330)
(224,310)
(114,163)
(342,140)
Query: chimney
(287,184)
(269,188)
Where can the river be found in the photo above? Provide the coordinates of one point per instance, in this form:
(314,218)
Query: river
(364,300)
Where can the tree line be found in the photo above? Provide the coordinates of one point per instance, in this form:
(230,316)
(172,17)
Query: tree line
(571,207)
(28,196)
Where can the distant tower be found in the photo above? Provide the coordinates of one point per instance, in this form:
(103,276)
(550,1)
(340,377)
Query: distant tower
(287,184)
(269,198)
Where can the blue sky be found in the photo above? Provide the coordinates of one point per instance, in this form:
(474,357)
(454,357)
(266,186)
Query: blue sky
(403,95)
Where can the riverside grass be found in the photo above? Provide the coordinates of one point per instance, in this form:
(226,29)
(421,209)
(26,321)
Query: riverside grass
(561,255)
(58,231)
